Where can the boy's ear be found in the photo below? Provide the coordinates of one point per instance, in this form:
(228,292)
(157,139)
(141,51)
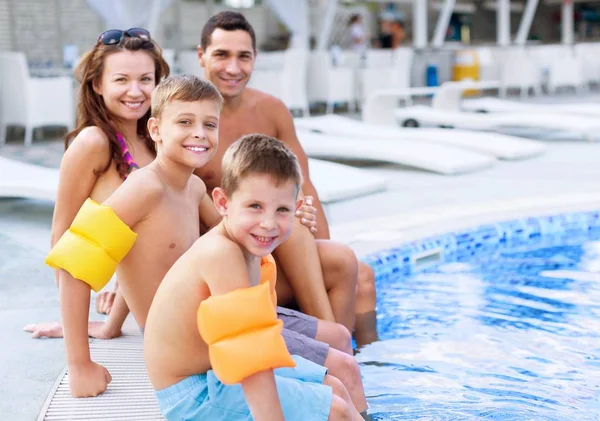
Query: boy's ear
(220,200)
(153,129)
(200,53)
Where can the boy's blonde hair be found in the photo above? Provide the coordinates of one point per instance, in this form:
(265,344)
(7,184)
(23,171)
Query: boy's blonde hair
(258,154)
(188,88)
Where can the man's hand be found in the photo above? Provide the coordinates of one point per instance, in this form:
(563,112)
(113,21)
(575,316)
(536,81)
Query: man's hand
(88,379)
(104,301)
(308,214)
(98,330)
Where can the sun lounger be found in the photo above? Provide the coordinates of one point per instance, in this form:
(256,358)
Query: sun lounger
(437,158)
(334,182)
(19,179)
(496,105)
(584,127)
(446,111)
(497,145)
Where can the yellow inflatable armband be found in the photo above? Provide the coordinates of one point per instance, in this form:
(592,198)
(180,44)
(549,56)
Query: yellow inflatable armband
(94,244)
(243,334)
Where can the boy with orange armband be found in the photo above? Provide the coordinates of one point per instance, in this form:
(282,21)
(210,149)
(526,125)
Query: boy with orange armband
(213,345)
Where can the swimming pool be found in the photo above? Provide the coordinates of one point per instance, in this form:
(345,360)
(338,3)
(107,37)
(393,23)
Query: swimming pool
(498,322)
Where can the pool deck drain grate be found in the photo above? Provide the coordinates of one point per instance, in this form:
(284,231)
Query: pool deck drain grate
(129,396)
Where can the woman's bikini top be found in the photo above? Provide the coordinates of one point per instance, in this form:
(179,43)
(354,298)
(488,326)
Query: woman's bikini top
(126,155)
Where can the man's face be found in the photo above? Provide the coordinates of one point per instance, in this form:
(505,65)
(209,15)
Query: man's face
(228,61)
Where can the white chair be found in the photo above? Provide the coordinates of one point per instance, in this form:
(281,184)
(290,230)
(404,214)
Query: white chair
(169,56)
(329,84)
(566,72)
(33,102)
(287,83)
(520,71)
(188,63)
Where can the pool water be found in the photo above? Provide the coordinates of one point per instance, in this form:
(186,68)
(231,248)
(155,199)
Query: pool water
(513,334)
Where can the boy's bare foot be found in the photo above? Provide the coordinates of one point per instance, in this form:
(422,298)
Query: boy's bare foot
(96,330)
(45,330)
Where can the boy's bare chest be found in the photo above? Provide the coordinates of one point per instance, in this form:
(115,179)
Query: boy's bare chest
(170,231)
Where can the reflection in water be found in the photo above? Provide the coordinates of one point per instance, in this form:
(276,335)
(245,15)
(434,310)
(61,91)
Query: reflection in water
(510,336)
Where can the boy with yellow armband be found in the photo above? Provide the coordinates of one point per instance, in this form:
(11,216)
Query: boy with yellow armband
(213,345)
(143,227)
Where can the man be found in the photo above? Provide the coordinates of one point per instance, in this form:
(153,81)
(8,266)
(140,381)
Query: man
(317,276)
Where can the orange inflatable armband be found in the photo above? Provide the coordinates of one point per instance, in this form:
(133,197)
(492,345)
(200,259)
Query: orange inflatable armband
(243,333)
(268,273)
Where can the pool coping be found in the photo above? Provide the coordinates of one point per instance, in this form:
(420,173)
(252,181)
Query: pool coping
(370,236)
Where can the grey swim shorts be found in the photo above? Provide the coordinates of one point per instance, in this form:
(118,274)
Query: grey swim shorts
(299,332)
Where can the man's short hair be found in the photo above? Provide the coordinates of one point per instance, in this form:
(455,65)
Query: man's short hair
(258,154)
(188,88)
(227,21)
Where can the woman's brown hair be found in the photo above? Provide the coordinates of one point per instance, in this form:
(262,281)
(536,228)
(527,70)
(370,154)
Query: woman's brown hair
(91,110)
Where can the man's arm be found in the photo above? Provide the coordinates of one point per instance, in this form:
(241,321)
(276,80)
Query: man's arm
(209,216)
(298,257)
(286,132)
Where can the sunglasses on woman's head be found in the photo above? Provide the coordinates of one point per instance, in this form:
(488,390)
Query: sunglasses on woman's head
(115,36)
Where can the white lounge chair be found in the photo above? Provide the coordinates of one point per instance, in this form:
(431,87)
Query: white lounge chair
(446,111)
(334,182)
(19,179)
(437,158)
(495,144)
(496,105)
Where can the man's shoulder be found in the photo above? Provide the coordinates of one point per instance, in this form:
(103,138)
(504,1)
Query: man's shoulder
(263,99)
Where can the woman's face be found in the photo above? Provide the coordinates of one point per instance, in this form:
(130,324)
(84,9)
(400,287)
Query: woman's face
(127,82)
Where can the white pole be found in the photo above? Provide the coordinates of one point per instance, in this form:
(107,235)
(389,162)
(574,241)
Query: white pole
(503,22)
(420,23)
(441,27)
(566,18)
(526,20)
(327,24)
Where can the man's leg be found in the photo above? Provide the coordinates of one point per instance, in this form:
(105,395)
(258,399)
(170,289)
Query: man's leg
(339,275)
(299,264)
(365,327)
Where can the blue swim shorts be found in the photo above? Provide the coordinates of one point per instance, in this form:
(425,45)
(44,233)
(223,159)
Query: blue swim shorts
(203,397)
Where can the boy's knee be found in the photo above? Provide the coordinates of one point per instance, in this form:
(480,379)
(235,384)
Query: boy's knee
(342,339)
(350,368)
(337,387)
(343,366)
(340,410)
